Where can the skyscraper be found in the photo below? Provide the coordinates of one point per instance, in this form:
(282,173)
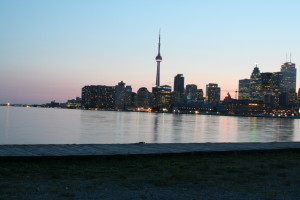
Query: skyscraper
(255,84)
(199,96)
(161,97)
(143,98)
(98,96)
(298,95)
(244,89)
(158,60)
(266,83)
(276,87)
(288,71)
(123,96)
(179,83)
(120,95)
(292,97)
(191,92)
(266,86)
(213,93)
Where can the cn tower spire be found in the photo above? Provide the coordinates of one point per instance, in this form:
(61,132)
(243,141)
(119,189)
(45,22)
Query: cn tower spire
(158,60)
(159,43)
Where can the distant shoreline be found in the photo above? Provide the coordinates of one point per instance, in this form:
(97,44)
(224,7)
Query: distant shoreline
(188,113)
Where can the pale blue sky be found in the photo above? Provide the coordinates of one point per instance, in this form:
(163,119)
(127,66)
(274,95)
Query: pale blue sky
(49,50)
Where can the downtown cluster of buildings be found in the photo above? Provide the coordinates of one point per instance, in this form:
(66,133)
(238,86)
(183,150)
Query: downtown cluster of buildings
(161,99)
(276,89)
(263,93)
(260,94)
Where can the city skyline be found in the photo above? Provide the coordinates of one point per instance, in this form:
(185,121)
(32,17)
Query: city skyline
(50,50)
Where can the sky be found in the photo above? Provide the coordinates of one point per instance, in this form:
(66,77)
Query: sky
(50,49)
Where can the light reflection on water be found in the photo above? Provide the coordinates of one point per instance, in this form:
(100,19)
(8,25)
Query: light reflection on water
(61,126)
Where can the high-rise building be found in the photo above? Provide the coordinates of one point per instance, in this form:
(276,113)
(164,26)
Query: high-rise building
(213,93)
(161,97)
(266,86)
(292,97)
(179,83)
(284,99)
(129,103)
(255,84)
(276,87)
(244,89)
(298,95)
(191,92)
(89,95)
(120,95)
(133,99)
(177,97)
(143,98)
(158,60)
(288,71)
(199,96)
(123,96)
(98,96)
(266,83)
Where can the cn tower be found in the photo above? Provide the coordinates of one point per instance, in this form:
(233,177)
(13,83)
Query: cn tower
(158,60)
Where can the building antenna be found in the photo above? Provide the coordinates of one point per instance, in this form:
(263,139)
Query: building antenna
(286,57)
(290,56)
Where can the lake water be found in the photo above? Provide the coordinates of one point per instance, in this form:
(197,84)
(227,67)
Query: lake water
(20,125)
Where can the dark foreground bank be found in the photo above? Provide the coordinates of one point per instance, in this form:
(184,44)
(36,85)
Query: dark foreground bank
(215,175)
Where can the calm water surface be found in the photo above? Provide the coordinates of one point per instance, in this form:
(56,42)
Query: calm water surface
(61,126)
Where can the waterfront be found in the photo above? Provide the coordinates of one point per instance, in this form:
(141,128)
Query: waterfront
(62,126)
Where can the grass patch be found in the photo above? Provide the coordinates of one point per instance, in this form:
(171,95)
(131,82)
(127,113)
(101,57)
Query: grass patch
(232,171)
(282,174)
(68,195)
(260,172)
